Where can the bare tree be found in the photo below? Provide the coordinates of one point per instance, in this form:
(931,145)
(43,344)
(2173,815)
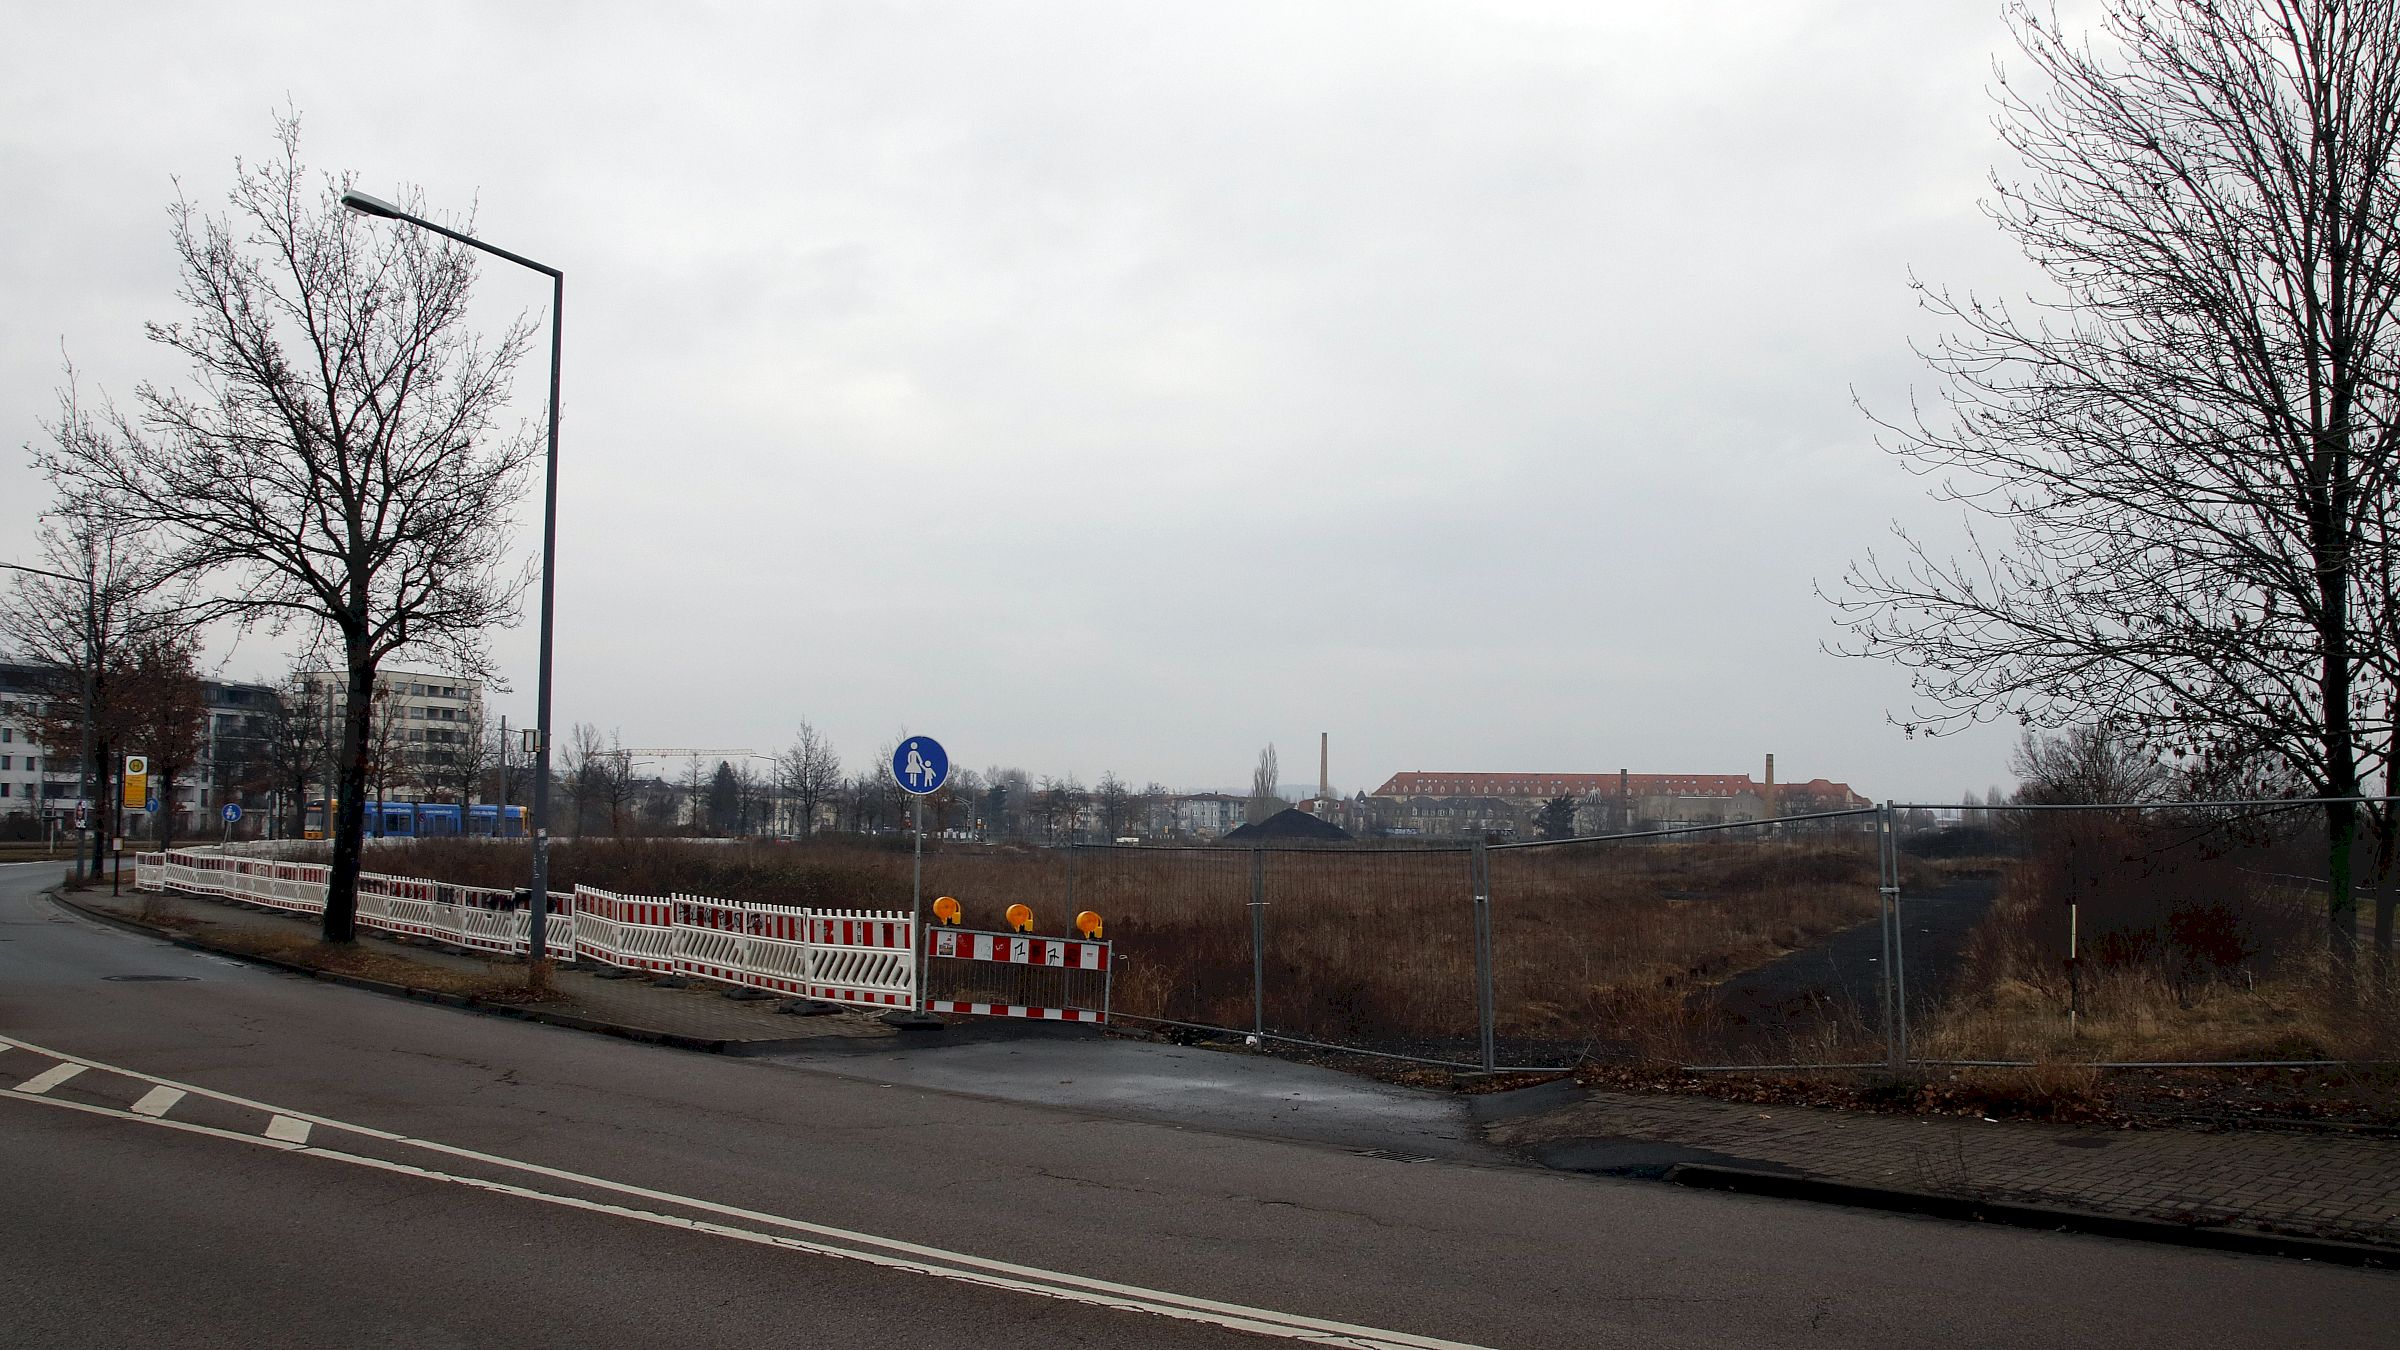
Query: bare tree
(455,762)
(330,462)
(2190,449)
(85,630)
(1115,803)
(811,773)
(583,773)
(165,713)
(2084,764)
(1060,801)
(292,748)
(1264,799)
(694,785)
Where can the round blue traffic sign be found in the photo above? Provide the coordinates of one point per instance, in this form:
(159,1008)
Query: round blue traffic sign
(920,765)
(233,812)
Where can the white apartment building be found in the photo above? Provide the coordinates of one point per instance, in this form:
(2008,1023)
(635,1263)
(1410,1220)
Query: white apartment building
(419,715)
(1205,815)
(33,780)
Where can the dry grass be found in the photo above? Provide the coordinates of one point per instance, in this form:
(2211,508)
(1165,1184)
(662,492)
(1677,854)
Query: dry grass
(1593,944)
(2189,951)
(496,982)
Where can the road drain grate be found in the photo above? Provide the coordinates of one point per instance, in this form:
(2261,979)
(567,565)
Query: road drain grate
(147,979)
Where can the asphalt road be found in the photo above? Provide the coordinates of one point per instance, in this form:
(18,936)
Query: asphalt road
(1777,1009)
(247,1158)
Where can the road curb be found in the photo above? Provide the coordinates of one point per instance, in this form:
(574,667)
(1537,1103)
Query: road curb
(546,1017)
(1933,1204)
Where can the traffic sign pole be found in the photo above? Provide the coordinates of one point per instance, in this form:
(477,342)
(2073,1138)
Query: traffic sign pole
(920,766)
(916,906)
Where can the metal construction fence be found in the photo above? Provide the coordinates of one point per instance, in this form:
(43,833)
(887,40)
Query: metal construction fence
(2159,933)
(2151,933)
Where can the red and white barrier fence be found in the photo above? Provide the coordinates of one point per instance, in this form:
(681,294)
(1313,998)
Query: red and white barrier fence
(860,957)
(1047,979)
(475,917)
(841,956)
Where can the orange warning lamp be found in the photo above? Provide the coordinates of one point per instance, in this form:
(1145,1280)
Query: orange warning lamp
(1088,924)
(1020,918)
(946,909)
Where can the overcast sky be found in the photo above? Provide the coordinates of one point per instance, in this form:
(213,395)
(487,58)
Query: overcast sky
(1128,386)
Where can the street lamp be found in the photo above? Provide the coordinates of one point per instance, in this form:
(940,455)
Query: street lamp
(539,936)
(91,659)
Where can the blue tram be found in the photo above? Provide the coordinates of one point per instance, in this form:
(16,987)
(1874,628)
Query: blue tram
(422,820)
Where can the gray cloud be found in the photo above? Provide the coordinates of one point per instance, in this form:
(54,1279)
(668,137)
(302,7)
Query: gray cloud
(1107,386)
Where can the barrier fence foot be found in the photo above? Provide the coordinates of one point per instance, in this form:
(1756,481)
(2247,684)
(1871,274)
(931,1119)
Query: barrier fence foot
(751,994)
(671,982)
(807,1007)
(914,1021)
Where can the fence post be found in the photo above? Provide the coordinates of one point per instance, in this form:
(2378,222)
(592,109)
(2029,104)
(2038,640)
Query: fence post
(1480,880)
(1887,860)
(1258,941)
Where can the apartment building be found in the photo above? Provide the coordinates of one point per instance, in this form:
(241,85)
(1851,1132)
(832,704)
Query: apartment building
(41,780)
(425,724)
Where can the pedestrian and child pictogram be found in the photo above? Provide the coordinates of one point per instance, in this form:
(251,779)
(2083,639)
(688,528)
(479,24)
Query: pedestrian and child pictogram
(920,765)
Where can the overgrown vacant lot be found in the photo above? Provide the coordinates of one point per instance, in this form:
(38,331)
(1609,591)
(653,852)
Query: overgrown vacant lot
(2191,946)
(1596,946)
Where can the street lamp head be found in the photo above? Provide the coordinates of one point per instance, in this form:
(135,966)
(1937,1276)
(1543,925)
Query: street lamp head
(370,206)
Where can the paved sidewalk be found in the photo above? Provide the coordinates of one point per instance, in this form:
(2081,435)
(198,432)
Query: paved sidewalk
(699,1013)
(2334,1186)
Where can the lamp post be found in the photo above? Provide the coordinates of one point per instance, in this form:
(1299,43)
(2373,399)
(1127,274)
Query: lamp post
(539,936)
(91,659)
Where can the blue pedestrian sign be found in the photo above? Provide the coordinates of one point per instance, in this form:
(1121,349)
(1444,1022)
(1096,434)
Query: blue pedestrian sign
(920,765)
(233,812)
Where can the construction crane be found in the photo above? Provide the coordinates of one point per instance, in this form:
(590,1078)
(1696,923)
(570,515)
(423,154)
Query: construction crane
(680,752)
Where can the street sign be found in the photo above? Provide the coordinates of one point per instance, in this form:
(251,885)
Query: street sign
(83,815)
(233,812)
(137,782)
(920,765)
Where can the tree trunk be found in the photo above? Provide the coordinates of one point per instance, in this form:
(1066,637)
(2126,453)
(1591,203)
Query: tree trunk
(103,800)
(350,816)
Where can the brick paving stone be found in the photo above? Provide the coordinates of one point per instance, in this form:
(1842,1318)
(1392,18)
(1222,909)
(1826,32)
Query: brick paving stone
(2330,1185)
(701,1012)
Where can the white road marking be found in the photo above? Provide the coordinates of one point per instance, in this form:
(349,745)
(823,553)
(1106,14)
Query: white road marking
(288,1130)
(842,1243)
(158,1101)
(49,1078)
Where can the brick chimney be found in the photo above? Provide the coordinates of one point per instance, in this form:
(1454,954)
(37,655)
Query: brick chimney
(1770,789)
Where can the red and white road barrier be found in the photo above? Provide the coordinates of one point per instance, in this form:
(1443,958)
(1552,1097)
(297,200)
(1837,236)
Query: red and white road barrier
(1016,975)
(474,917)
(860,957)
(839,956)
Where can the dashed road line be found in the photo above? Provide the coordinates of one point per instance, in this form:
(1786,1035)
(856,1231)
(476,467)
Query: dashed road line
(819,1239)
(49,1078)
(158,1101)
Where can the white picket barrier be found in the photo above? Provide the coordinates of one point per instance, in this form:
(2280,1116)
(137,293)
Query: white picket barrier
(632,932)
(841,956)
(474,917)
